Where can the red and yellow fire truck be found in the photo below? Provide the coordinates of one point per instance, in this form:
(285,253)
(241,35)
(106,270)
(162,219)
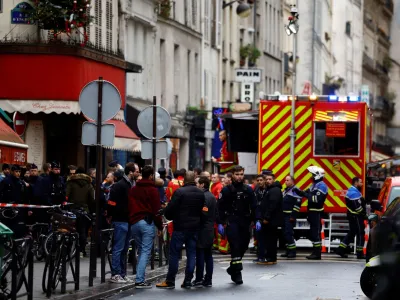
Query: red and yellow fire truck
(332,132)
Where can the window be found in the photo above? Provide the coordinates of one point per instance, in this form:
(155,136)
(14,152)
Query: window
(1,6)
(348,28)
(394,193)
(318,18)
(98,12)
(109,21)
(206,20)
(194,12)
(347,145)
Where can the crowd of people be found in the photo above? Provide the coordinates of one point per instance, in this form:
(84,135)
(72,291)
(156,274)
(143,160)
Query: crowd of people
(207,211)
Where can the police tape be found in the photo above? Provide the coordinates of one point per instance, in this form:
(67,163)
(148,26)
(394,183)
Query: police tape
(3,205)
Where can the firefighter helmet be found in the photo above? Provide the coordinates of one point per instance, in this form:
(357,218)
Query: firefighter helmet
(317,172)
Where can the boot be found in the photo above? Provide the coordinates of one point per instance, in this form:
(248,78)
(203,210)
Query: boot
(291,254)
(341,252)
(237,278)
(315,255)
(285,254)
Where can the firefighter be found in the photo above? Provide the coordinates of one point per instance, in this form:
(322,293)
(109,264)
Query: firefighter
(236,207)
(291,207)
(356,214)
(173,185)
(316,196)
(228,160)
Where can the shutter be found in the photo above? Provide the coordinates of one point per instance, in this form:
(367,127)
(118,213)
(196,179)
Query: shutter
(206,20)
(214,92)
(109,21)
(194,13)
(218,27)
(98,23)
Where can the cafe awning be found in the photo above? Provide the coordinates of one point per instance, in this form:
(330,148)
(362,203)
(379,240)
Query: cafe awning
(125,139)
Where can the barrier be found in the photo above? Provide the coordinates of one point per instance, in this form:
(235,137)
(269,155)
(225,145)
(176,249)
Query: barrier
(323,250)
(366,236)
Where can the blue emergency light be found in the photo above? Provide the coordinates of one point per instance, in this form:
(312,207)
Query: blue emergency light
(333,98)
(353,98)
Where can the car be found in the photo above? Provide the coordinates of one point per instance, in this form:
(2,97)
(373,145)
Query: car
(389,191)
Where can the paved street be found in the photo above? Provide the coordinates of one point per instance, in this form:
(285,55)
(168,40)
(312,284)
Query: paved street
(330,279)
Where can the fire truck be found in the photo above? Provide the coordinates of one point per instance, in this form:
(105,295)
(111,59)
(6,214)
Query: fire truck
(332,132)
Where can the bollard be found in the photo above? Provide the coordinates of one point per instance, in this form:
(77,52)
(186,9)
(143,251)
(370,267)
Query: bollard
(77,264)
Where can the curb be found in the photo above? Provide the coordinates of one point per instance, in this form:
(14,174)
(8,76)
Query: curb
(111,292)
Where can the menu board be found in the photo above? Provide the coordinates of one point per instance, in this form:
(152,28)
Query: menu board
(35,140)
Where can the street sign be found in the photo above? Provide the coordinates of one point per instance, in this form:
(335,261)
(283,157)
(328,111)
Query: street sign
(247,92)
(161,149)
(88,101)
(19,121)
(365,94)
(248,75)
(145,122)
(89,134)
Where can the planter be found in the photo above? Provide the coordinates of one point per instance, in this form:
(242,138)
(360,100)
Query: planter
(242,62)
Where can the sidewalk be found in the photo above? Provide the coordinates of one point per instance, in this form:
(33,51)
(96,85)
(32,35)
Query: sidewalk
(99,290)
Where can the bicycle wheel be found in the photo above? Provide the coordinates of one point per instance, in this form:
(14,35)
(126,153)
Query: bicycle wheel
(23,251)
(40,253)
(47,242)
(6,277)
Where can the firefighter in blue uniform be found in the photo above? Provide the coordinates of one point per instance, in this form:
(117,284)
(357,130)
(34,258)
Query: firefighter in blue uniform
(291,207)
(356,214)
(236,207)
(316,196)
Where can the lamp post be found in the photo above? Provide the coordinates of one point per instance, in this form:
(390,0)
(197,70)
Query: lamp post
(293,28)
(243,10)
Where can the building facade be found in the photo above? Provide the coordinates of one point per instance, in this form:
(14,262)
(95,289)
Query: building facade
(376,67)
(45,68)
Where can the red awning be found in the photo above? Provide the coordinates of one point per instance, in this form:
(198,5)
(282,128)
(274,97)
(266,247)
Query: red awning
(12,147)
(125,139)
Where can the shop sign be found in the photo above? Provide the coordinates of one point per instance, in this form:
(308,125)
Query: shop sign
(247,92)
(335,129)
(12,155)
(22,13)
(248,75)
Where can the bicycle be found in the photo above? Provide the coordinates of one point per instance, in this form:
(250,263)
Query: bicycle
(58,262)
(19,250)
(39,232)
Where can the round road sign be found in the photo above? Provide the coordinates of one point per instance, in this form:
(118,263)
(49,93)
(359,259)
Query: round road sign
(145,122)
(88,100)
(19,121)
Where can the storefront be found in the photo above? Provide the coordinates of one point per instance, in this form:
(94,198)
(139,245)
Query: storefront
(43,82)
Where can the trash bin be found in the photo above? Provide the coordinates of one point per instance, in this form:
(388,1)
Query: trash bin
(5,234)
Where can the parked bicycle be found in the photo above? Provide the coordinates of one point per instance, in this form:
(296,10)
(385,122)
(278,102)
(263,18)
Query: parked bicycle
(39,233)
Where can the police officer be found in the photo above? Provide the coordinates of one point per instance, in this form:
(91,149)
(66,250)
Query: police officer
(260,192)
(356,214)
(236,207)
(291,207)
(316,196)
(13,190)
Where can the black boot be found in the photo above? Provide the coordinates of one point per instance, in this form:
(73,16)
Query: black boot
(291,254)
(315,255)
(237,278)
(341,251)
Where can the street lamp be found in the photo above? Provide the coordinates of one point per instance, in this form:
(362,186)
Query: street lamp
(243,10)
(293,28)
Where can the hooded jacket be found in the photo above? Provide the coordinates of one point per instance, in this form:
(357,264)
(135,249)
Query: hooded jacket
(144,201)
(271,206)
(80,191)
(210,216)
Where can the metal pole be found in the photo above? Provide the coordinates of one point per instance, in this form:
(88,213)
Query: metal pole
(293,129)
(99,175)
(154,156)
(254,106)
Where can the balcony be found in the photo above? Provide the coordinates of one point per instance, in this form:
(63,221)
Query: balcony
(387,8)
(385,106)
(384,39)
(368,62)
(383,72)
(68,47)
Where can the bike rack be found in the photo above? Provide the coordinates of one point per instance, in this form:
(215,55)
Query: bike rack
(106,236)
(16,260)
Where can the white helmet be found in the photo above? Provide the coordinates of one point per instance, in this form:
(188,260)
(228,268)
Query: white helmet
(317,172)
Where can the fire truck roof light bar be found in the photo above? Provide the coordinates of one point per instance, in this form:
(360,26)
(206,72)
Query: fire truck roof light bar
(313,97)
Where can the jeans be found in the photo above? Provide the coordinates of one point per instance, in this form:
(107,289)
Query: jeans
(204,256)
(143,234)
(122,236)
(189,238)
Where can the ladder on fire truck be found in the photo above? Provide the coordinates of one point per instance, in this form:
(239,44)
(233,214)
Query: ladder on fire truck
(338,229)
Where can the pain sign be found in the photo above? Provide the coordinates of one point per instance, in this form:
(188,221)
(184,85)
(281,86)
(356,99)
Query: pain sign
(248,75)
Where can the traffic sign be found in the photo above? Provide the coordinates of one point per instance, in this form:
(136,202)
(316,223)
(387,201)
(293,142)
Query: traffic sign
(88,100)
(161,149)
(89,134)
(145,122)
(365,94)
(19,121)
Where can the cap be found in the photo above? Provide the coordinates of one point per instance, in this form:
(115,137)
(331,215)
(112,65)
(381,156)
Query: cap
(5,166)
(33,166)
(55,165)
(266,172)
(113,163)
(15,168)
(162,171)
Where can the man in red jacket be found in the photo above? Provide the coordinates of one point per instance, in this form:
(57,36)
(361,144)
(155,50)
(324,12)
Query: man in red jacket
(144,206)
(228,160)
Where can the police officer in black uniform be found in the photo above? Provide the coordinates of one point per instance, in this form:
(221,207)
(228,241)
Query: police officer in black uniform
(236,207)
(316,196)
(13,190)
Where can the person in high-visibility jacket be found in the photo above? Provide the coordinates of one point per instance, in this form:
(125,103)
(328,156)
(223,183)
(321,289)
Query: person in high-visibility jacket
(356,214)
(216,189)
(228,160)
(173,185)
